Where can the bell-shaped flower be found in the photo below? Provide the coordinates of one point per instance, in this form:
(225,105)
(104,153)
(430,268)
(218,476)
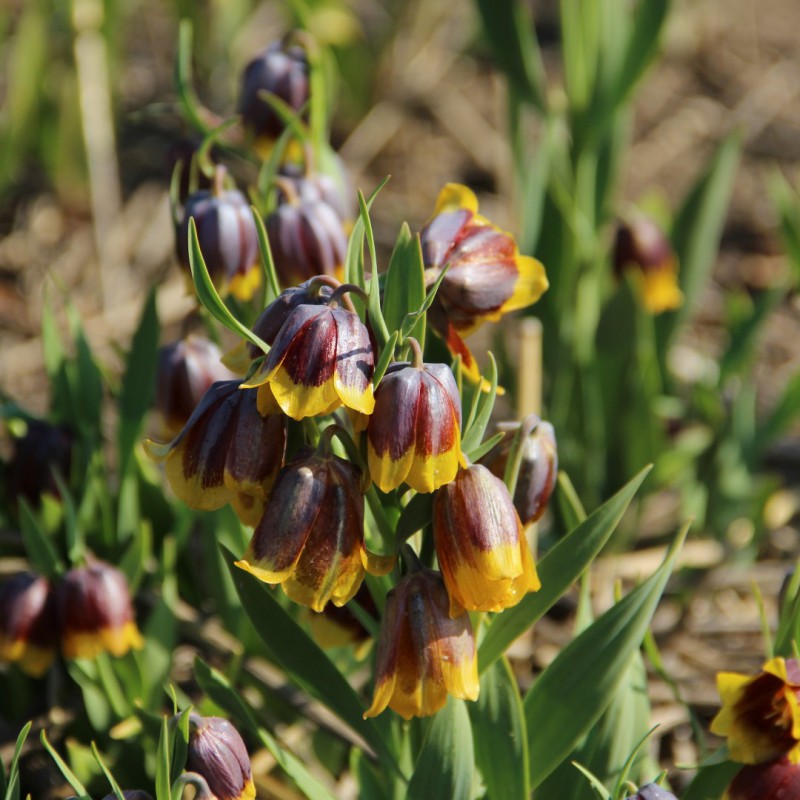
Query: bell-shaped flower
(652,791)
(424,653)
(487,275)
(227,235)
(311,537)
(185,371)
(760,715)
(538,465)
(481,547)
(414,433)
(226,453)
(41,449)
(96,613)
(322,358)
(642,250)
(218,754)
(28,626)
(774,780)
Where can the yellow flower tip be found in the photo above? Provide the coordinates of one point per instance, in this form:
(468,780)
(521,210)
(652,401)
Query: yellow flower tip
(298,401)
(90,644)
(454,196)
(244,286)
(531,284)
(659,290)
(35,661)
(157,451)
(352,397)
(376,564)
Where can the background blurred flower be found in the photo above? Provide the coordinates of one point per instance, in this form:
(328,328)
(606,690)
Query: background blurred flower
(774,780)
(424,654)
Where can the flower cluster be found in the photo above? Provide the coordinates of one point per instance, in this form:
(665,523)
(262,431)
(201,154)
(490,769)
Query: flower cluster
(88,612)
(268,446)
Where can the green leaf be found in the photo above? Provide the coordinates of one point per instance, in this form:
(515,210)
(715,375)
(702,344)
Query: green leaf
(138,382)
(217,687)
(404,290)
(38,545)
(711,781)
(86,380)
(354,260)
(10,785)
(500,735)
(560,567)
(787,203)
(180,751)
(444,766)
(163,761)
(473,436)
(386,357)
(785,412)
(415,516)
(509,29)
(114,785)
(271,283)
(572,693)
(304,662)
(208,296)
(68,774)
(569,503)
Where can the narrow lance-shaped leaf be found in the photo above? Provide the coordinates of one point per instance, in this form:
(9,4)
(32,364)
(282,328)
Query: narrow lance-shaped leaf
(571,694)
(114,785)
(560,567)
(68,774)
(404,288)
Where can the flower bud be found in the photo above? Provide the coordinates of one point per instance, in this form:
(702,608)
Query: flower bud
(424,654)
(537,470)
(760,715)
(226,232)
(96,613)
(186,369)
(483,554)
(414,433)
(774,780)
(307,238)
(652,791)
(218,754)
(642,248)
(311,537)
(28,628)
(281,69)
(43,448)
(226,453)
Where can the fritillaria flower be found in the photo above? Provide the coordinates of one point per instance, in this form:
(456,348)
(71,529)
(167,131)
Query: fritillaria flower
(321,358)
(226,232)
(642,249)
(95,611)
(311,537)
(538,465)
(28,628)
(333,187)
(487,277)
(226,453)
(218,754)
(760,715)
(414,433)
(424,654)
(774,780)
(480,544)
(185,371)
(281,70)
(652,791)
(43,448)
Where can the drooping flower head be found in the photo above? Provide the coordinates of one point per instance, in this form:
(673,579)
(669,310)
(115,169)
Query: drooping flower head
(96,613)
(28,627)
(424,653)
(226,453)
(487,277)
(482,551)
(642,249)
(414,433)
(538,466)
(226,232)
(322,358)
(311,537)
(218,754)
(185,371)
(760,715)
(333,186)
(774,780)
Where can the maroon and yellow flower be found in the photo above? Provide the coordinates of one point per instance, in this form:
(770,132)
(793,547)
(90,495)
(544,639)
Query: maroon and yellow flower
(218,754)
(424,653)
(642,250)
(760,715)
(311,537)
(487,277)
(414,433)
(28,628)
(226,453)
(322,358)
(480,544)
(96,612)
(538,465)
(775,780)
